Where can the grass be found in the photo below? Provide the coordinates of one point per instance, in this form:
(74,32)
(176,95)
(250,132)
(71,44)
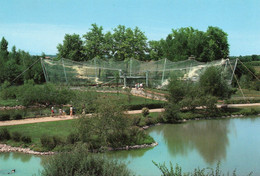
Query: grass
(36,130)
(10,102)
(247,93)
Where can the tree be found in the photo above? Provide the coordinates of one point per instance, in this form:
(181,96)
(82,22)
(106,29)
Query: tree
(205,46)
(95,42)
(3,58)
(212,83)
(72,48)
(217,44)
(129,43)
(155,49)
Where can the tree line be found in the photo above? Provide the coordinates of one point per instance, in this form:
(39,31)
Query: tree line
(123,43)
(14,62)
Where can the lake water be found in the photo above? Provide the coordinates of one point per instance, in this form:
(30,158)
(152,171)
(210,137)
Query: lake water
(232,142)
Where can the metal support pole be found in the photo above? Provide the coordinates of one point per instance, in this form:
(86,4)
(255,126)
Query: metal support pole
(233,71)
(131,62)
(95,62)
(64,71)
(146,79)
(44,71)
(163,70)
(124,80)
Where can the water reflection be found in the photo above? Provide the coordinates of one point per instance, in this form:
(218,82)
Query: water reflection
(16,156)
(124,154)
(209,138)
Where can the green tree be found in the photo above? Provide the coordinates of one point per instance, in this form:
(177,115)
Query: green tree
(155,49)
(129,43)
(3,58)
(217,44)
(95,42)
(72,48)
(212,83)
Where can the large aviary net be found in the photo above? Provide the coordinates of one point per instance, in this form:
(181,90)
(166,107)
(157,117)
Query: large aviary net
(129,72)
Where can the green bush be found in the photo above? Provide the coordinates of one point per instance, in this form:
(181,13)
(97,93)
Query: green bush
(145,111)
(16,136)
(26,139)
(72,138)
(250,111)
(47,142)
(80,162)
(17,116)
(4,117)
(4,134)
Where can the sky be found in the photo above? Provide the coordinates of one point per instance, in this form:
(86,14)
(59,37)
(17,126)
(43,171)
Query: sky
(39,26)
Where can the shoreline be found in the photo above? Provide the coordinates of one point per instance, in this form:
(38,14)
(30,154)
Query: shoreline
(4,148)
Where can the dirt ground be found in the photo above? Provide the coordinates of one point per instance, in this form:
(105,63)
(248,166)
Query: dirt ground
(58,118)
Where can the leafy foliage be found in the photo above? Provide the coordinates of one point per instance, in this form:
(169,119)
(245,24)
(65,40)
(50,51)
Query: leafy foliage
(80,162)
(109,126)
(212,83)
(177,171)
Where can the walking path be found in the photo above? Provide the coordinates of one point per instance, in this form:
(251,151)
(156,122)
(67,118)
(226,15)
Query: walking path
(59,118)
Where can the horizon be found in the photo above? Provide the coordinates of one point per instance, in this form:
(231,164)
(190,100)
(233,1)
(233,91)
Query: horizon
(35,26)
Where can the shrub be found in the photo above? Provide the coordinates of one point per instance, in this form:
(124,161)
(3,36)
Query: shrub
(4,134)
(16,136)
(47,142)
(4,117)
(145,111)
(81,162)
(26,139)
(17,116)
(72,138)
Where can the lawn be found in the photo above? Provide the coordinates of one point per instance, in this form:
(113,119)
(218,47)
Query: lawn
(36,130)
(247,93)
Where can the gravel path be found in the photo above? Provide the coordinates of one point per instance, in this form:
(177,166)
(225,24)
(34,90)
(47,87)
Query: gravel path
(59,118)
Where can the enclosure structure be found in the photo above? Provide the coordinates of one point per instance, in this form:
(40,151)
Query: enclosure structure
(129,72)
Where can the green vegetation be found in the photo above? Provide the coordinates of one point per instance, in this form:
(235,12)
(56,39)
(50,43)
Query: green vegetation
(110,127)
(125,43)
(35,131)
(13,63)
(187,96)
(80,162)
(177,171)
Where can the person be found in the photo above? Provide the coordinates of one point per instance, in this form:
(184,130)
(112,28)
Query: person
(60,112)
(83,109)
(52,111)
(71,110)
(63,113)
(141,86)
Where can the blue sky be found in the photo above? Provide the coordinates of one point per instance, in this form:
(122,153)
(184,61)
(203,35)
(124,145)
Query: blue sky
(39,25)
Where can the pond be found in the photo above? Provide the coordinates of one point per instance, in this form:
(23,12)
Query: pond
(232,142)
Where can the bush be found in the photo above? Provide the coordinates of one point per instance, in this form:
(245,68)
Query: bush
(4,117)
(72,138)
(250,111)
(145,111)
(80,162)
(4,134)
(17,116)
(8,92)
(26,139)
(47,142)
(16,136)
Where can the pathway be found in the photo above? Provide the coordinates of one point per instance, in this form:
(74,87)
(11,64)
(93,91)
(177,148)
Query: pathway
(59,118)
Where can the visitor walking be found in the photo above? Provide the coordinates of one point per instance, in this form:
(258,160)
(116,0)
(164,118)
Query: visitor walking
(71,110)
(60,112)
(52,111)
